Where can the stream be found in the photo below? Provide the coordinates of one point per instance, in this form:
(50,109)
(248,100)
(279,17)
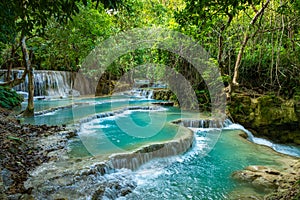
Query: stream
(125,122)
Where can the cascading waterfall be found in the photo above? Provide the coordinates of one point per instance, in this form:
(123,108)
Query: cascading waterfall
(202,123)
(144,93)
(121,111)
(46,83)
(196,124)
(104,176)
(281,148)
(150,94)
(145,154)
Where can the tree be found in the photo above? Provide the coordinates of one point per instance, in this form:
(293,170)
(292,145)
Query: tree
(245,41)
(25,19)
(204,19)
(64,46)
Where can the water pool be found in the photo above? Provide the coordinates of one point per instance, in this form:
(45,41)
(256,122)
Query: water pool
(204,172)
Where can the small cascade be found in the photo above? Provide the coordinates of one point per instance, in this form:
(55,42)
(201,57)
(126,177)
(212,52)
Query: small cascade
(46,83)
(135,159)
(95,179)
(144,93)
(121,111)
(150,94)
(281,148)
(80,180)
(159,85)
(201,123)
(24,94)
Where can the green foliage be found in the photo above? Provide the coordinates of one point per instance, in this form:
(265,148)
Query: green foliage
(30,17)
(65,47)
(9,98)
(270,61)
(66,31)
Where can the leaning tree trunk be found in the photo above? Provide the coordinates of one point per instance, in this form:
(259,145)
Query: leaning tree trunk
(30,107)
(15,81)
(243,45)
(221,45)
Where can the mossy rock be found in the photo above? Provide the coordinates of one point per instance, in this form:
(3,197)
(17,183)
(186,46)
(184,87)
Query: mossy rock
(268,115)
(9,98)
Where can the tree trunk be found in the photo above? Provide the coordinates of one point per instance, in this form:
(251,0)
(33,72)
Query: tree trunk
(239,59)
(30,107)
(244,44)
(15,81)
(220,44)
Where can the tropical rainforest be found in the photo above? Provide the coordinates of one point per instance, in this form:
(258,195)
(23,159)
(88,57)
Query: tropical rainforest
(255,45)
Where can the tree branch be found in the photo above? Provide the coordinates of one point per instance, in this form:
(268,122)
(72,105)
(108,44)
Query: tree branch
(244,43)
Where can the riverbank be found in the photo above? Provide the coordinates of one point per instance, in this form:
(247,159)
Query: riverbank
(267,115)
(269,182)
(21,152)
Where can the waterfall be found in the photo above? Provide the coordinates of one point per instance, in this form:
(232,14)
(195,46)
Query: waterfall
(228,125)
(202,123)
(46,83)
(144,93)
(135,159)
(281,148)
(150,94)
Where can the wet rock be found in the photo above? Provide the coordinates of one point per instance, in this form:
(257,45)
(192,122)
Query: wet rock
(164,103)
(267,115)
(126,191)
(99,193)
(21,153)
(246,198)
(283,184)
(2,190)
(163,94)
(243,135)
(259,176)
(7,177)
(26,197)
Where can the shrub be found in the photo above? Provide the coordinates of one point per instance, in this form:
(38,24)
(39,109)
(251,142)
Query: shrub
(9,98)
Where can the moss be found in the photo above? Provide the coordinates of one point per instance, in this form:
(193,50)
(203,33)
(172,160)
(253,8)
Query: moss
(9,98)
(268,116)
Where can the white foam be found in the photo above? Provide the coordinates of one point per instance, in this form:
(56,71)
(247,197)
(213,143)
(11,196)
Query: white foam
(50,113)
(281,148)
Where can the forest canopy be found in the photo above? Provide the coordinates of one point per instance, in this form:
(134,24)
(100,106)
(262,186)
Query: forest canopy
(255,43)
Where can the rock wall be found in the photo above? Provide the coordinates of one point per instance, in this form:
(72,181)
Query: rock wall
(268,115)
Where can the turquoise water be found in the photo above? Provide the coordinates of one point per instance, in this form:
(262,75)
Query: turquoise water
(126,131)
(195,175)
(81,108)
(105,136)
(204,172)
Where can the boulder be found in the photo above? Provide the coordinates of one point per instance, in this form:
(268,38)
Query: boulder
(268,116)
(282,184)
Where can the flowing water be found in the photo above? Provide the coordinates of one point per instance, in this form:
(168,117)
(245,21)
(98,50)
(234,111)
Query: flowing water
(123,123)
(46,83)
(195,175)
